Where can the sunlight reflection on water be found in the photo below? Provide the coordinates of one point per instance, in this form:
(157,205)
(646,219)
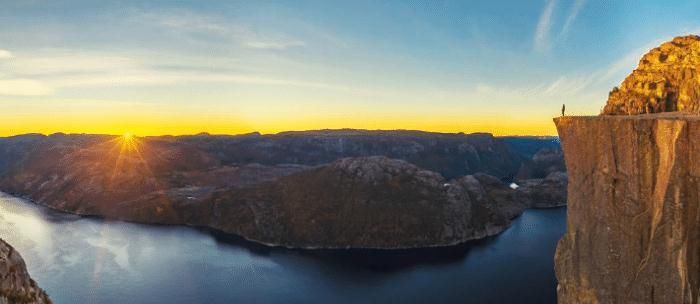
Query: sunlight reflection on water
(87,260)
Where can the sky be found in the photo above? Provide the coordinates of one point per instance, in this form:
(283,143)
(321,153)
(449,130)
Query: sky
(229,67)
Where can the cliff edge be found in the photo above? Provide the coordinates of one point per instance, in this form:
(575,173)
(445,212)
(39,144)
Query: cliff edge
(633,227)
(16,287)
(633,218)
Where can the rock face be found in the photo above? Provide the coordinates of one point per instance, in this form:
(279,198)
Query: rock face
(210,181)
(544,192)
(666,80)
(16,286)
(633,204)
(633,231)
(373,202)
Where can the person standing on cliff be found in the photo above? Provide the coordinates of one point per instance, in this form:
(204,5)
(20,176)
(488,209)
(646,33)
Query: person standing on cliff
(563,109)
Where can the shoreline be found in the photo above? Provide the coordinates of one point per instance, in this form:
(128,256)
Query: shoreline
(490,232)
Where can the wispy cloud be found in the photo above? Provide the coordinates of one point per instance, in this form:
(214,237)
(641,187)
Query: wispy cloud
(44,75)
(55,62)
(24,87)
(604,78)
(544,26)
(189,22)
(542,40)
(5,54)
(11,85)
(536,100)
(586,89)
(148,77)
(571,17)
(274,45)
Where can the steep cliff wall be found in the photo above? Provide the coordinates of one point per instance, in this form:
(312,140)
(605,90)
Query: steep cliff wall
(633,228)
(16,287)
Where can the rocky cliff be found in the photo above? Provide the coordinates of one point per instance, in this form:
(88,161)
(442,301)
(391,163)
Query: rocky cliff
(666,80)
(633,209)
(633,230)
(16,286)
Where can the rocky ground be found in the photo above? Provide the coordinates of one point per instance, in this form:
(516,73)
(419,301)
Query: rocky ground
(16,286)
(666,80)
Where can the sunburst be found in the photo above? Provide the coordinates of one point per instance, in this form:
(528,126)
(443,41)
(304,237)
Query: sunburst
(128,142)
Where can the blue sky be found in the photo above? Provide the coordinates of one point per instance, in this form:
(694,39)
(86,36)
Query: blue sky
(173,67)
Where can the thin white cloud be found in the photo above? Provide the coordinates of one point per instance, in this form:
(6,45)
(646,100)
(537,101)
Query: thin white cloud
(24,87)
(587,90)
(225,31)
(604,78)
(274,45)
(537,99)
(542,40)
(570,85)
(571,17)
(629,61)
(65,61)
(5,54)
(544,25)
(190,22)
(146,77)
(41,75)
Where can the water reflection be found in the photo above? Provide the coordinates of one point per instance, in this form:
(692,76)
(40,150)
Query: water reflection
(87,260)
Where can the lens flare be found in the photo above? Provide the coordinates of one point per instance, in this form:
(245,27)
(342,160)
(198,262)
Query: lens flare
(128,142)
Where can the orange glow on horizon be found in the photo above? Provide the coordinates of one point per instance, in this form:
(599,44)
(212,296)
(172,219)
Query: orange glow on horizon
(216,125)
(153,120)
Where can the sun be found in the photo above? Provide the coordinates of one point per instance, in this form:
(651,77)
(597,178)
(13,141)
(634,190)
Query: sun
(128,142)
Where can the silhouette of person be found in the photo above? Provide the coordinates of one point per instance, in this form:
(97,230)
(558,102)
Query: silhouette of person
(563,109)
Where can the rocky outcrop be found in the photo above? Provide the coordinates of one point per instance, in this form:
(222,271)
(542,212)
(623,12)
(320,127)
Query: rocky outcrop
(543,163)
(666,80)
(633,207)
(633,232)
(373,202)
(16,286)
(544,192)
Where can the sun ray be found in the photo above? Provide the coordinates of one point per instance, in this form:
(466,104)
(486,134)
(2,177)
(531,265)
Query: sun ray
(128,150)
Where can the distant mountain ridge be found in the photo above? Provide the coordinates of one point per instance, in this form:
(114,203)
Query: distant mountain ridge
(450,154)
(259,186)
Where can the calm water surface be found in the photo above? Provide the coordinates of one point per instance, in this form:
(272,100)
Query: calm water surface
(87,260)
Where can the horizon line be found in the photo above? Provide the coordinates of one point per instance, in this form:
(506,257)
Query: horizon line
(204,133)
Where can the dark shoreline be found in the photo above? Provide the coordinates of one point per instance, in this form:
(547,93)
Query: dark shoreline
(405,256)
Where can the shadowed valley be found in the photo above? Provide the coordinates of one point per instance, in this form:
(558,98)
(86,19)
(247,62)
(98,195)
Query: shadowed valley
(316,189)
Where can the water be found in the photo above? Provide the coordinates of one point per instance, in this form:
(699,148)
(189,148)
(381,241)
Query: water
(87,260)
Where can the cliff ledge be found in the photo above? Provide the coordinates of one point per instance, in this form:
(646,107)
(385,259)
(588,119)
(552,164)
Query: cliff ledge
(633,209)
